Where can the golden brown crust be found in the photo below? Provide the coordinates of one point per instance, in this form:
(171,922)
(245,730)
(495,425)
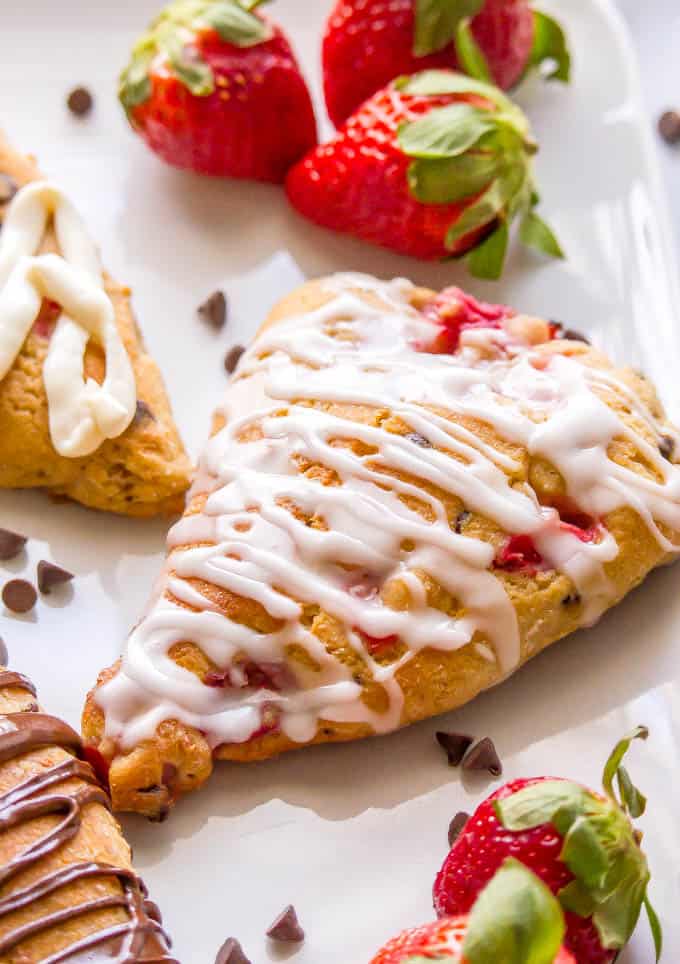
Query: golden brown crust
(433,681)
(144,472)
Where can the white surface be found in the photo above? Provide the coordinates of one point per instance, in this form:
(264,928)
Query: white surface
(352,835)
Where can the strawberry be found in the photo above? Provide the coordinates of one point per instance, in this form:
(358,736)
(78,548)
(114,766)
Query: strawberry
(580,843)
(516,920)
(435,165)
(367,43)
(215,87)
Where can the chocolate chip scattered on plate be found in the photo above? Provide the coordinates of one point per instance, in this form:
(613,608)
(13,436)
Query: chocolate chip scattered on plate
(11,544)
(19,595)
(483,756)
(80,101)
(669,126)
(233,357)
(231,952)
(457,825)
(214,310)
(286,927)
(50,576)
(455,745)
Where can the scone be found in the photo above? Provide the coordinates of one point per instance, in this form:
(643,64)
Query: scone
(406,496)
(68,890)
(83,409)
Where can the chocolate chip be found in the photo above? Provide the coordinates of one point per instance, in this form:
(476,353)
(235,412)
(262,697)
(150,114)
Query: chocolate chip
(667,446)
(572,599)
(153,911)
(4,655)
(669,126)
(233,357)
(11,544)
(570,334)
(142,412)
(80,101)
(214,310)
(455,745)
(483,756)
(8,188)
(419,439)
(286,927)
(168,774)
(50,576)
(457,825)
(461,519)
(231,952)
(19,596)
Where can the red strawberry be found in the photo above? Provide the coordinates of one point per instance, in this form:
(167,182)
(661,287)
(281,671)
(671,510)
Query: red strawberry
(368,43)
(581,844)
(434,166)
(216,88)
(515,920)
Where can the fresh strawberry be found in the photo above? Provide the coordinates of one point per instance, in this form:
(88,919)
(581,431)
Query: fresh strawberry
(580,843)
(367,43)
(435,165)
(515,920)
(215,87)
(454,311)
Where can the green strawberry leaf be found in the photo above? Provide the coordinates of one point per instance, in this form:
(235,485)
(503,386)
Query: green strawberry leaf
(432,83)
(537,804)
(654,926)
(575,897)
(515,920)
(134,85)
(617,914)
(450,179)
(187,64)
(436,22)
(470,55)
(550,44)
(616,757)
(486,260)
(235,23)
(445,131)
(633,801)
(486,209)
(535,233)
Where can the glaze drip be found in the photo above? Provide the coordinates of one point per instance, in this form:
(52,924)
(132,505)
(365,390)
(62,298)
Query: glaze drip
(138,939)
(385,514)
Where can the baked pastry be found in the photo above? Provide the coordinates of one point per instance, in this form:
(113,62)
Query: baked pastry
(83,409)
(406,496)
(68,889)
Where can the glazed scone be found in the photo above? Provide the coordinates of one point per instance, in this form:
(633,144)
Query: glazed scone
(137,466)
(68,891)
(406,496)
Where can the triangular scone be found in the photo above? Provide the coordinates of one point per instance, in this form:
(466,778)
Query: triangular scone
(406,496)
(141,471)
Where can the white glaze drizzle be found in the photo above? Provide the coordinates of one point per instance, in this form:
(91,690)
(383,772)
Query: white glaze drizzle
(352,352)
(82,413)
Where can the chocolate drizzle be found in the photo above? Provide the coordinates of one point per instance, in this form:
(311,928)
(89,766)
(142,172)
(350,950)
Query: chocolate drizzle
(140,938)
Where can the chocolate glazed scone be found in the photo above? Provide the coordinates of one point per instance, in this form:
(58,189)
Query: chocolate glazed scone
(83,409)
(68,891)
(406,496)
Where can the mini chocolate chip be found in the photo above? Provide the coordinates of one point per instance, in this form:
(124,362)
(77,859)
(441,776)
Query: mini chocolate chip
(419,439)
(50,576)
(667,446)
(11,544)
(142,412)
(154,788)
(4,655)
(461,519)
(169,773)
(457,825)
(455,745)
(483,756)
(19,595)
(214,310)
(8,188)
(570,334)
(572,599)
(231,952)
(233,357)
(80,101)
(153,911)
(286,927)
(669,126)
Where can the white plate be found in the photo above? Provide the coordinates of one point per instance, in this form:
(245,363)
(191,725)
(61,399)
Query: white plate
(352,835)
